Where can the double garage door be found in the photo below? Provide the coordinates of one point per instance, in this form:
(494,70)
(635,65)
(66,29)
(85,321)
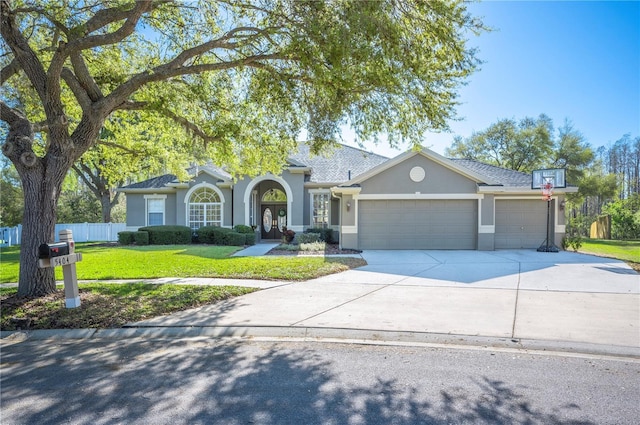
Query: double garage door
(418,224)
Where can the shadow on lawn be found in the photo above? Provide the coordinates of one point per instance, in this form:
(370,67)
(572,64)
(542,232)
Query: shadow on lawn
(208,381)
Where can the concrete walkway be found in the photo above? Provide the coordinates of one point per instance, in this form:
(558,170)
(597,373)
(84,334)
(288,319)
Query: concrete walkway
(256,250)
(565,299)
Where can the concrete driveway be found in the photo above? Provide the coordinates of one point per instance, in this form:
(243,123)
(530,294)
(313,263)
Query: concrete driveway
(514,295)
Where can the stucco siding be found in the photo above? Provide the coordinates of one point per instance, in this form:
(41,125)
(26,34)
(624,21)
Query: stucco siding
(437,179)
(135,210)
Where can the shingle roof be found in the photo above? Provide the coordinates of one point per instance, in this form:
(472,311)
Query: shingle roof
(154,183)
(334,167)
(164,180)
(503,176)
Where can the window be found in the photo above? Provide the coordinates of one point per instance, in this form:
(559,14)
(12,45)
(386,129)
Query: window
(155,210)
(320,206)
(205,208)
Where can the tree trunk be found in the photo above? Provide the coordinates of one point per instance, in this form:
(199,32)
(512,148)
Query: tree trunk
(38,227)
(105,203)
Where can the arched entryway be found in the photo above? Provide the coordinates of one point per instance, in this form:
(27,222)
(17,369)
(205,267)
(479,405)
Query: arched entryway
(268,200)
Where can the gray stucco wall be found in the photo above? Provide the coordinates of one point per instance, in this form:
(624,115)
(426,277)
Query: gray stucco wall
(438,179)
(135,210)
(486,210)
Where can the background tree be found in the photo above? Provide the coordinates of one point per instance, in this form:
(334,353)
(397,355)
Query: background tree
(522,146)
(11,199)
(275,67)
(572,153)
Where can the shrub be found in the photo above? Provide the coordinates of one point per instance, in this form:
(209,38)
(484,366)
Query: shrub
(235,239)
(308,237)
(313,246)
(213,235)
(326,234)
(250,238)
(168,235)
(125,238)
(141,238)
(241,228)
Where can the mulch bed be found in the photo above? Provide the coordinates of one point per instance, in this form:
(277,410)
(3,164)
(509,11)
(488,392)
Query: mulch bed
(332,249)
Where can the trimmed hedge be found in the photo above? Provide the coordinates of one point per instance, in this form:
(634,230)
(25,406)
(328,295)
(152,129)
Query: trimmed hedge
(250,238)
(215,235)
(241,228)
(125,238)
(250,234)
(168,235)
(308,237)
(235,239)
(129,238)
(211,235)
(326,234)
(141,238)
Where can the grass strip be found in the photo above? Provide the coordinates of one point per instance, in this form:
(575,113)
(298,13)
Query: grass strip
(106,305)
(150,262)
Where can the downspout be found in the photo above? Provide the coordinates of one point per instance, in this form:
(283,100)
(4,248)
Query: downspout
(339,217)
(233,201)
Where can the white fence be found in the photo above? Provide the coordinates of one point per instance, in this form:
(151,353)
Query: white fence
(82,232)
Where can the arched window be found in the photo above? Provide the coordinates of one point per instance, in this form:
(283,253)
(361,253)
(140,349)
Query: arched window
(205,208)
(274,195)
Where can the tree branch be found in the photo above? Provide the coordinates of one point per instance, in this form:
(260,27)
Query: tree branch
(9,71)
(22,52)
(84,77)
(186,124)
(117,98)
(132,17)
(78,90)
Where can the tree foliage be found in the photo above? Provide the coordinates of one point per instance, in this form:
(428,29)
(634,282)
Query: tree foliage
(243,78)
(517,145)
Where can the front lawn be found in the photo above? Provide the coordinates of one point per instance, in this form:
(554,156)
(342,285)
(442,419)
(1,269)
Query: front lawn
(100,262)
(622,250)
(105,305)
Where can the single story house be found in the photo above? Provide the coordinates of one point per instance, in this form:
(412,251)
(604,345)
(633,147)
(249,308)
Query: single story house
(417,200)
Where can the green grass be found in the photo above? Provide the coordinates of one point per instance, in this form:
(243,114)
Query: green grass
(106,305)
(148,262)
(622,250)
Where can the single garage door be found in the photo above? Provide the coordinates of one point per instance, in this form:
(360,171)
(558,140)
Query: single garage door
(417,224)
(521,223)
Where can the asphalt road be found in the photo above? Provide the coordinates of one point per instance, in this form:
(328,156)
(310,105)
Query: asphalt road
(213,381)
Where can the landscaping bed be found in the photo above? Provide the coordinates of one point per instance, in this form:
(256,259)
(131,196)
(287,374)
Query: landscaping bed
(327,249)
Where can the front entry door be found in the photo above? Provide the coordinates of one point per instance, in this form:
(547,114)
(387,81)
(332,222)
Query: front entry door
(274,217)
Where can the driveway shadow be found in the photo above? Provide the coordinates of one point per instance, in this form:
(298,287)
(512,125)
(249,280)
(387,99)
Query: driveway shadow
(503,269)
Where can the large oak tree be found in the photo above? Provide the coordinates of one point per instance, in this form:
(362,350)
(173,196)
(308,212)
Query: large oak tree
(245,77)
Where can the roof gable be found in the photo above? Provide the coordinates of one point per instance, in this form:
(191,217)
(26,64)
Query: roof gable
(429,154)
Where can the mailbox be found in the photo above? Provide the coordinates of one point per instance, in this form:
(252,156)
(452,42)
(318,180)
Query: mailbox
(51,250)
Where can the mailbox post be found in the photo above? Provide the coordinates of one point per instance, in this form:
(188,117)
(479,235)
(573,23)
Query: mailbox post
(63,254)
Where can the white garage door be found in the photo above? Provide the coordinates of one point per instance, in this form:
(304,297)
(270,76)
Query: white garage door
(521,223)
(417,224)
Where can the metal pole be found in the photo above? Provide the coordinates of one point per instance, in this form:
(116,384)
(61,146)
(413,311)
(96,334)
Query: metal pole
(548,215)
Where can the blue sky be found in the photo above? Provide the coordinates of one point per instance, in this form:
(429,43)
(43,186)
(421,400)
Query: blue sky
(576,60)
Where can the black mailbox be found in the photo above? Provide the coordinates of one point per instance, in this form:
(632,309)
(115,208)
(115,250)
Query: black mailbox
(50,250)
